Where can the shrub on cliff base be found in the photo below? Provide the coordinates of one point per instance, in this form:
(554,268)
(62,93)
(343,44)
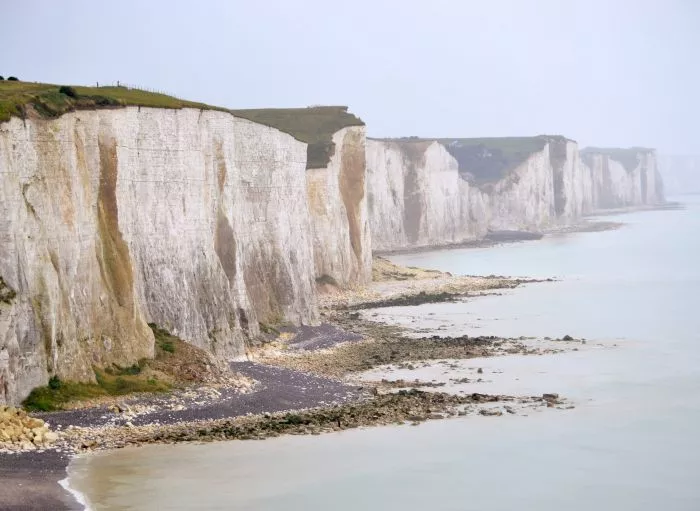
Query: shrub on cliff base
(1,78)
(164,340)
(54,383)
(13,79)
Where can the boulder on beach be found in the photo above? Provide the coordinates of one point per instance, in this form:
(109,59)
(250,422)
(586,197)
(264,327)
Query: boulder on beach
(21,432)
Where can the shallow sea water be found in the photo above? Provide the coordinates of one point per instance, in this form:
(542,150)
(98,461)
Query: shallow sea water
(631,443)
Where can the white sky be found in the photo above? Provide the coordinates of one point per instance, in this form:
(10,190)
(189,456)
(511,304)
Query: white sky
(607,73)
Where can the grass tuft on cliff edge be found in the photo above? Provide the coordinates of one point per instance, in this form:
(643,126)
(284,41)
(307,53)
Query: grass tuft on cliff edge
(313,125)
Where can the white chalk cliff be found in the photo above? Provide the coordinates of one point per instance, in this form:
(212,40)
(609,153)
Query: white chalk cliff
(195,220)
(207,223)
(337,195)
(440,192)
(623,178)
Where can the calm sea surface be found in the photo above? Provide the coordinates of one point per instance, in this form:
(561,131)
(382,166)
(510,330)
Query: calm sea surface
(631,443)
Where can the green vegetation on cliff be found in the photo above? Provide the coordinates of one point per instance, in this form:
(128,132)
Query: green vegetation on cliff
(49,101)
(313,125)
(176,363)
(628,157)
(113,381)
(491,159)
(488,160)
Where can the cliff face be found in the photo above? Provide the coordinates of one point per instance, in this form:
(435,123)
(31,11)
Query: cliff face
(194,220)
(623,177)
(414,195)
(445,191)
(421,194)
(337,195)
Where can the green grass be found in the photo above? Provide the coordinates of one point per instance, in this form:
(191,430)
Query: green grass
(165,341)
(629,158)
(113,381)
(174,360)
(48,102)
(313,125)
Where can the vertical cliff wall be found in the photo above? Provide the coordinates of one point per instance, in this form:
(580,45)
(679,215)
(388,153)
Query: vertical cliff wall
(414,195)
(336,187)
(193,219)
(427,192)
(337,194)
(443,191)
(623,177)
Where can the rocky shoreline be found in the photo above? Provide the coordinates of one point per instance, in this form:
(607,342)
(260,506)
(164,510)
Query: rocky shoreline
(401,407)
(302,386)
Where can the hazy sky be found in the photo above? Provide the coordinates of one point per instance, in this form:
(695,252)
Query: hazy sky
(604,72)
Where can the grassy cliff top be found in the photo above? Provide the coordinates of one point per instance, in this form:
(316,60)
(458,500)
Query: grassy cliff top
(628,157)
(313,125)
(488,160)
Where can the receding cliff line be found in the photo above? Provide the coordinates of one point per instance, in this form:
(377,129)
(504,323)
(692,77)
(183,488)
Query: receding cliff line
(431,192)
(623,177)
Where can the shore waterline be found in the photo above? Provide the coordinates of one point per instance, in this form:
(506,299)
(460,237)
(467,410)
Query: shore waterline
(629,444)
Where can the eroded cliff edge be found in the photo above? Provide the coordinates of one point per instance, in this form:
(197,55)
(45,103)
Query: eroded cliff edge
(426,192)
(336,188)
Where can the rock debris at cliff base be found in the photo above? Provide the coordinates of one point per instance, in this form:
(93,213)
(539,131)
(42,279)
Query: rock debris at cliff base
(404,406)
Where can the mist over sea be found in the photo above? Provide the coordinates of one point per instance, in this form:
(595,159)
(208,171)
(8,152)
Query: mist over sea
(631,443)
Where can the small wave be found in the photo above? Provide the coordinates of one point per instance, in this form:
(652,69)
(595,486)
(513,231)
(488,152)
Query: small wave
(78,496)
